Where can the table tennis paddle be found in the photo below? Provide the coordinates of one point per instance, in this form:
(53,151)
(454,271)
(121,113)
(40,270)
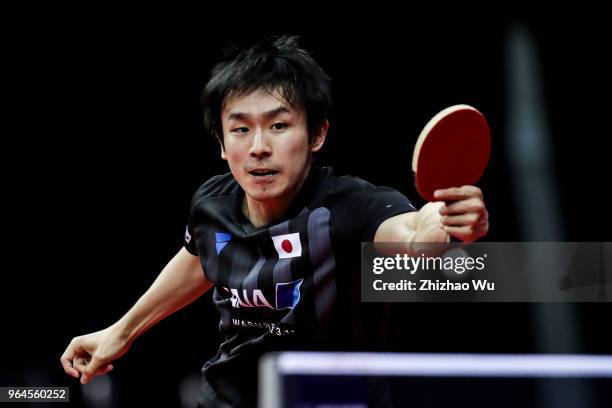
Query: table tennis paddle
(452,150)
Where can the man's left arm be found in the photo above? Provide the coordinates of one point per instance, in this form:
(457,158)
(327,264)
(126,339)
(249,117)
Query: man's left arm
(460,213)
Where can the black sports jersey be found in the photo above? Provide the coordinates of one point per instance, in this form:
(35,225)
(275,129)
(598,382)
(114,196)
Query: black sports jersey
(290,285)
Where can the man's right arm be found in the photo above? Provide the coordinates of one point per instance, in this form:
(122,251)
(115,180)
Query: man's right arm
(180,283)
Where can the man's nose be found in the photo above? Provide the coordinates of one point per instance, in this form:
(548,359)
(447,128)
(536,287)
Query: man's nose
(260,146)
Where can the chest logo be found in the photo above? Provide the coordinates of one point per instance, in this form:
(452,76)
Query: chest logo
(287,296)
(221,240)
(288,245)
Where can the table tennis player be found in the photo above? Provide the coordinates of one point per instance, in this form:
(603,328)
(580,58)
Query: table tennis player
(278,237)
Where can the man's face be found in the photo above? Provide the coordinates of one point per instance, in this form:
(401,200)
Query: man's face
(266,145)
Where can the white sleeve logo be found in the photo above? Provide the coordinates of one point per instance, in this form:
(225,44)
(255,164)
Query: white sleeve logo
(187,236)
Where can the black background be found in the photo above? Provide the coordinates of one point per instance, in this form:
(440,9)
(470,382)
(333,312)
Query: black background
(104,148)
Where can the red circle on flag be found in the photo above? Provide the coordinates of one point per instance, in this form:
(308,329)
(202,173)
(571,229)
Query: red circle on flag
(286,245)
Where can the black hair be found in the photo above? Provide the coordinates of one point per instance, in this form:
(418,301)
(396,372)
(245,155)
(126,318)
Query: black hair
(277,63)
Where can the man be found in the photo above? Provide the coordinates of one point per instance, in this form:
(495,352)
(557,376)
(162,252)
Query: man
(279,236)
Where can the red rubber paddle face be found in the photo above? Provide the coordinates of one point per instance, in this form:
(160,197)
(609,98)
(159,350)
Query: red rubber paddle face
(453,150)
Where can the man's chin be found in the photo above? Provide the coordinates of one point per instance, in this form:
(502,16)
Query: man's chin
(262,193)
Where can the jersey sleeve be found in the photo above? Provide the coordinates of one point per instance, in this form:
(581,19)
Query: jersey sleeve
(188,243)
(380,204)
(189,237)
(214,186)
(371,206)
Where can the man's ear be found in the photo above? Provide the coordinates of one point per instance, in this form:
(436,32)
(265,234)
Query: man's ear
(223,155)
(319,139)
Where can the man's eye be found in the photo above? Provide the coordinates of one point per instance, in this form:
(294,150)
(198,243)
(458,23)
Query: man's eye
(240,130)
(279,126)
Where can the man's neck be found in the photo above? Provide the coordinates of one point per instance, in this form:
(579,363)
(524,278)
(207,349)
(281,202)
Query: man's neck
(265,212)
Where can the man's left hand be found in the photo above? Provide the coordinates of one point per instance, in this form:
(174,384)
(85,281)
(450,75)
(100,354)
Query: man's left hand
(464,214)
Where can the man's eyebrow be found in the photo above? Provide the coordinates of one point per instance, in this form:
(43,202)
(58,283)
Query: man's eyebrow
(267,115)
(275,112)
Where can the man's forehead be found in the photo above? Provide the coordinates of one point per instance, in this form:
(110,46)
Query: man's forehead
(257,101)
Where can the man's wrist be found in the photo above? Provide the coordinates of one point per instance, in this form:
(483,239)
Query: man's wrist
(123,331)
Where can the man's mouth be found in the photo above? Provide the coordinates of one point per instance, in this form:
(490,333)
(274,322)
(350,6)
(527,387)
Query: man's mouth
(262,172)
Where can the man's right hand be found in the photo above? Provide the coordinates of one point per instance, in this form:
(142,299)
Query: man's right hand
(179,283)
(90,355)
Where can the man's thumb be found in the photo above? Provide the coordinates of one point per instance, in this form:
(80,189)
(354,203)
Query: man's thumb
(91,370)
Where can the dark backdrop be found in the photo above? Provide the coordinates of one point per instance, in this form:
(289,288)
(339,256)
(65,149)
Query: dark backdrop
(107,148)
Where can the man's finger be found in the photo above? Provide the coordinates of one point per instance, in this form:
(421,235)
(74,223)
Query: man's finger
(91,370)
(472,205)
(71,371)
(67,359)
(85,379)
(457,193)
(459,220)
(463,233)
(79,363)
(106,369)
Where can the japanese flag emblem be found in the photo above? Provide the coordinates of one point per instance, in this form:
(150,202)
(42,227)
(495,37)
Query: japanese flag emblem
(288,245)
